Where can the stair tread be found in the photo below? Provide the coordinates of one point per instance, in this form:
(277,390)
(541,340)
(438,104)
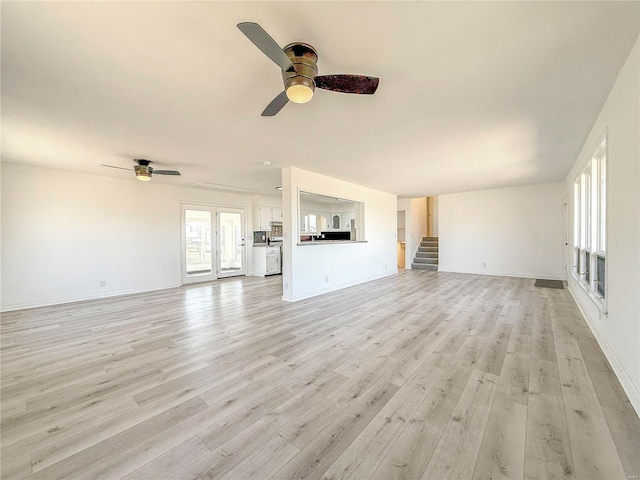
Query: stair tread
(424,266)
(426,257)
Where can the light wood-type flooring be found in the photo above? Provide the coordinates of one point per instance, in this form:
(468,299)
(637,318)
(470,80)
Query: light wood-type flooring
(422,375)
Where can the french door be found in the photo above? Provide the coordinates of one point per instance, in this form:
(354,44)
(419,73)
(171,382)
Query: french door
(213,243)
(231,244)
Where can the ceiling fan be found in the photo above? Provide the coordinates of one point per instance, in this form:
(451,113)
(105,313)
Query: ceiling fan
(300,72)
(143,170)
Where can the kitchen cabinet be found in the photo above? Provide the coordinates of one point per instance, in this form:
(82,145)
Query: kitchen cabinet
(268,215)
(273,264)
(265,218)
(266,261)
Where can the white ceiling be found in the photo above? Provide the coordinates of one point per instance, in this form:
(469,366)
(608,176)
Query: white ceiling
(472,95)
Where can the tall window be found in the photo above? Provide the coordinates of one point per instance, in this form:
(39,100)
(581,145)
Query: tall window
(590,219)
(313,223)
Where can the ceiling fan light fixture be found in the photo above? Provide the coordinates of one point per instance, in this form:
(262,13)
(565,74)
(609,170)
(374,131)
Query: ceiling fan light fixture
(143,172)
(299,89)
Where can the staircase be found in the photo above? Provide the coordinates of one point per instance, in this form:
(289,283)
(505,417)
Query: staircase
(426,257)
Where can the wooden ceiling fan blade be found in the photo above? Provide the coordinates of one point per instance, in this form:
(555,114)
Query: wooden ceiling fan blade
(119,168)
(276,105)
(359,84)
(165,172)
(266,44)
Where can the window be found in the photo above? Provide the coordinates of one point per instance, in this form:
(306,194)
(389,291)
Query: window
(239,243)
(600,272)
(223,247)
(590,222)
(311,221)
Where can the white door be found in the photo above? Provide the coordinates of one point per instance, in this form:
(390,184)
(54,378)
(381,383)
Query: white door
(213,243)
(198,244)
(231,242)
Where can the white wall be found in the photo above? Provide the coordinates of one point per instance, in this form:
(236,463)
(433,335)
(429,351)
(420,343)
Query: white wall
(64,232)
(513,231)
(269,200)
(618,332)
(315,269)
(434,215)
(415,224)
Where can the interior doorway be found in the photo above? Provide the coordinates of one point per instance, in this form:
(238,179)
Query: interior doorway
(401,247)
(213,243)
(432,216)
(566,236)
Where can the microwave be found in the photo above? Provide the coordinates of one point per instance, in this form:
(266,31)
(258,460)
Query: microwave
(259,237)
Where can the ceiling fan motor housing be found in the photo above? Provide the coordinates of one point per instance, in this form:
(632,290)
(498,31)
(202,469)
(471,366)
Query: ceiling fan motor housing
(143,172)
(304,58)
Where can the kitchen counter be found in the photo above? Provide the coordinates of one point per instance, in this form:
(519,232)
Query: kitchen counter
(263,245)
(329,242)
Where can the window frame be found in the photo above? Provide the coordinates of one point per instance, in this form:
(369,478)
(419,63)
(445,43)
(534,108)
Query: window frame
(590,224)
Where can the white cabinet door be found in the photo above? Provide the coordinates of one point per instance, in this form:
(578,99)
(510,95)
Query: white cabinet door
(273,264)
(268,215)
(265,218)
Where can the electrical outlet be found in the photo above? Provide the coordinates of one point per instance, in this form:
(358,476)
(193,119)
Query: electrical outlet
(326,279)
(386,267)
(103,283)
(286,285)
(484,265)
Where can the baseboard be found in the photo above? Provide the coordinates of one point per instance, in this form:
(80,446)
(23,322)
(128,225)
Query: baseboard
(501,274)
(86,298)
(627,385)
(297,298)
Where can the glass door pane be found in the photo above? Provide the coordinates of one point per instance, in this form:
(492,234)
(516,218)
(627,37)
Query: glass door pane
(198,245)
(231,244)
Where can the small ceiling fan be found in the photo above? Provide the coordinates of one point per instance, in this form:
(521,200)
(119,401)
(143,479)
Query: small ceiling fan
(143,170)
(300,72)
